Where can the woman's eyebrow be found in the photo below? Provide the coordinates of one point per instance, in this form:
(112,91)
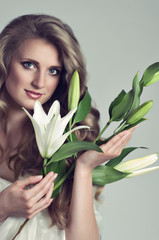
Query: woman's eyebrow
(29,59)
(56,66)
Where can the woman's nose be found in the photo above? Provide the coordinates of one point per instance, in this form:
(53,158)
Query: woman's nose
(38,80)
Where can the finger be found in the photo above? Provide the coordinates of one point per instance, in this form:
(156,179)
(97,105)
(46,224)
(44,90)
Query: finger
(42,193)
(112,142)
(39,190)
(43,203)
(117,143)
(118,147)
(120,136)
(121,143)
(28,181)
(41,209)
(45,200)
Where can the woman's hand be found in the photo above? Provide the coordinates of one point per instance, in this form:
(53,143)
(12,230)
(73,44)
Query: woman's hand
(81,222)
(16,201)
(91,159)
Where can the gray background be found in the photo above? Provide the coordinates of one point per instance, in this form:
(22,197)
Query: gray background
(118,39)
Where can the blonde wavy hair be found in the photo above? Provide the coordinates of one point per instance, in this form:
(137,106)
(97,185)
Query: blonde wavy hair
(27,159)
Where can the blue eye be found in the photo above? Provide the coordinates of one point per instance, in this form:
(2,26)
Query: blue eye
(54,71)
(28,65)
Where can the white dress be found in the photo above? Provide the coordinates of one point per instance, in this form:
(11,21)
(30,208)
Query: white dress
(37,228)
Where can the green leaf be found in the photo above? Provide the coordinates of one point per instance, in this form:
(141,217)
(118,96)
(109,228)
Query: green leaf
(83,108)
(102,175)
(115,161)
(139,112)
(74,137)
(68,149)
(116,101)
(74,91)
(151,75)
(120,110)
(60,168)
(136,95)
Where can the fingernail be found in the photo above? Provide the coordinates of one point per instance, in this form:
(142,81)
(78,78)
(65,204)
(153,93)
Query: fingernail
(51,174)
(39,177)
(55,175)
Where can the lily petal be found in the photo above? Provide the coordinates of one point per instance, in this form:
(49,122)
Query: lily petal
(54,109)
(56,128)
(39,139)
(39,114)
(67,118)
(38,134)
(53,131)
(58,143)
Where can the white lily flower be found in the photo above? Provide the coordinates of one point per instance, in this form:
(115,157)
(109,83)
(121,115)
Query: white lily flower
(134,167)
(49,128)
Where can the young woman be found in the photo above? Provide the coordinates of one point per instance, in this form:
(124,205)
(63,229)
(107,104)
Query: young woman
(38,55)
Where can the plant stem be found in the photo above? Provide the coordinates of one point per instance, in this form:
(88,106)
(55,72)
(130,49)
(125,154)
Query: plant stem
(119,126)
(122,128)
(44,165)
(103,130)
(115,133)
(70,126)
(20,229)
(122,125)
(65,176)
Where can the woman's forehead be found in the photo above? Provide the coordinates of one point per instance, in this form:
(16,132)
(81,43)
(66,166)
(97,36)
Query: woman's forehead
(39,49)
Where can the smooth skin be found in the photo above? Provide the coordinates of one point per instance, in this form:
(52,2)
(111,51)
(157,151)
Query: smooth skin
(82,222)
(35,68)
(32,70)
(19,202)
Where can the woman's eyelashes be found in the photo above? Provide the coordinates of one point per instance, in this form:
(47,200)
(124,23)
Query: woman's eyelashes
(54,71)
(30,65)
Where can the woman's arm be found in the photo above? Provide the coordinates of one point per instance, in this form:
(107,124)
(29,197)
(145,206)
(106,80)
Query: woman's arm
(82,223)
(18,202)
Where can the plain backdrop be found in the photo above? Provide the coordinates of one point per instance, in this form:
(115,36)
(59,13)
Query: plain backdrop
(118,38)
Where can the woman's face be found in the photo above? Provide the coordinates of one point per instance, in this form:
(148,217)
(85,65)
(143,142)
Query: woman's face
(34,73)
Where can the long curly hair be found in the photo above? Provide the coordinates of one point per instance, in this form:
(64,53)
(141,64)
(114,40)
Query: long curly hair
(27,160)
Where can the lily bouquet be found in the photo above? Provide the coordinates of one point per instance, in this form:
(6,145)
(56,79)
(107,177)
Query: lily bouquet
(57,141)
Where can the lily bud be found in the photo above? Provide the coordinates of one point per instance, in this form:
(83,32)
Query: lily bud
(134,167)
(119,110)
(136,164)
(151,75)
(139,113)
(74,91)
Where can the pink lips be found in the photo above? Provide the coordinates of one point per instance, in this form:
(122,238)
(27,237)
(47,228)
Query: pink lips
(33,95)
